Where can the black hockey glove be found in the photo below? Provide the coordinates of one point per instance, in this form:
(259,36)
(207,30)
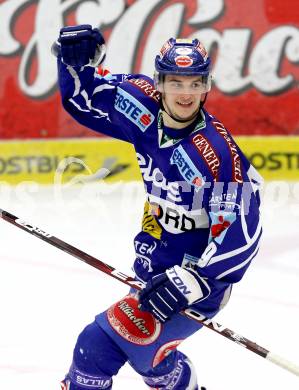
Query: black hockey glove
(168,293)
(80,45)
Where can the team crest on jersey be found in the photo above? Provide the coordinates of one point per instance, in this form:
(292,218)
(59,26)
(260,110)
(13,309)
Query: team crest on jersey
(133,110)
(221,221)
(186,167)
(136,326)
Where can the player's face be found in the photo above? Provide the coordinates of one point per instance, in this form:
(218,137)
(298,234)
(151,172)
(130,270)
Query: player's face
(182,95)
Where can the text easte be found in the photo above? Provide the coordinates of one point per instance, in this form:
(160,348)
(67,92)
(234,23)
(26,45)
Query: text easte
(133,110)
(187,168)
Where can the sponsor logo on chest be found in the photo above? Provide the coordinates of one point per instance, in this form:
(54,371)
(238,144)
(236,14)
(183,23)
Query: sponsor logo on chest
(133,110)
(208,154)
(187,169)
(152,174)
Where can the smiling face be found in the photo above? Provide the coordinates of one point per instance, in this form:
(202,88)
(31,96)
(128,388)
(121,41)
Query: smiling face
(182,95)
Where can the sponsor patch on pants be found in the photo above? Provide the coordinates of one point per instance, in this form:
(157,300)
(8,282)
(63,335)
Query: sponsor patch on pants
(136,326)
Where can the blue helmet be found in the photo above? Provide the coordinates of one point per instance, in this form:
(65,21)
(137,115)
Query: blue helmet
(186,57)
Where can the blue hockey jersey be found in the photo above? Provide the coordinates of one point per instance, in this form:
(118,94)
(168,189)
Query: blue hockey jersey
(202,193)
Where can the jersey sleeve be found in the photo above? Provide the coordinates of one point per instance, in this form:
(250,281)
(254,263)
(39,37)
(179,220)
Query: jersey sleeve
(234,216)
(89,97)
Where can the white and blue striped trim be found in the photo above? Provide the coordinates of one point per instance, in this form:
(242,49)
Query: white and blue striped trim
(239,266)
(88,107)
(77,82)
(243,223)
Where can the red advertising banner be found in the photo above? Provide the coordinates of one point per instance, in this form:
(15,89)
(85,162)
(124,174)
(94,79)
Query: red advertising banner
(254,46)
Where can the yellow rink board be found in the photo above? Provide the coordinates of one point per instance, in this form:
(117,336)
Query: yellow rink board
(276,158)
(40,160)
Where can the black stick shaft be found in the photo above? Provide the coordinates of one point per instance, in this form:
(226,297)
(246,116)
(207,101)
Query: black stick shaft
(128,280)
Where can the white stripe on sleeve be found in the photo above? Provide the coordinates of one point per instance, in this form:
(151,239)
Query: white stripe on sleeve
(239,266)
(75,76)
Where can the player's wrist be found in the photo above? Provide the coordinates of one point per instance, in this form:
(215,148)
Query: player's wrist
(186,282)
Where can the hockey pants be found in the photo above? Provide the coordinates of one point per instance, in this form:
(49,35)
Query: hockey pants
(125,334)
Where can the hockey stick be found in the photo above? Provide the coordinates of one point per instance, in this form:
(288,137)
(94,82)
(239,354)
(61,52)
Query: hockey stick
(128,280)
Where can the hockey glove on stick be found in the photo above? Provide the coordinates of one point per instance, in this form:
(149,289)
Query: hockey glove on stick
(168,293)
(80,45)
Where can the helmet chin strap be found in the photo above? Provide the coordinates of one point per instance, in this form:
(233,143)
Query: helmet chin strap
(183,120)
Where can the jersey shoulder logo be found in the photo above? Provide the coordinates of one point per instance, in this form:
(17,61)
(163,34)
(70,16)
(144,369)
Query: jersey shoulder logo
(147,88)
(135,111)
(220,222)
(232,147)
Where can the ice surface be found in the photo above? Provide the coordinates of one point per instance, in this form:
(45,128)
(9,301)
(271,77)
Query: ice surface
(47,296)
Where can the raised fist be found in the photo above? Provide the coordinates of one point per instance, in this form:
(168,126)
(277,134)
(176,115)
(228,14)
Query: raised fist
(80,46)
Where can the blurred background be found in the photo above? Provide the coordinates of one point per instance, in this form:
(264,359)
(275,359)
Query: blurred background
(44,153)
(255,50)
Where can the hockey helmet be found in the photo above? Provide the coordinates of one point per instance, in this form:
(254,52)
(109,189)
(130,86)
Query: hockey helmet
(184,57)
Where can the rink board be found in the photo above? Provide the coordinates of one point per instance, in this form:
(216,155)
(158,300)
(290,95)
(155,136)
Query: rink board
(59,161)
(56,161)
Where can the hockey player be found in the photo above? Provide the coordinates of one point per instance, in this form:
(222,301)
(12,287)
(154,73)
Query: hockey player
(201,225)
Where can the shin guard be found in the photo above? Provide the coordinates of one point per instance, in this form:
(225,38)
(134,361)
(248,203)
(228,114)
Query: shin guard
(182,376)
